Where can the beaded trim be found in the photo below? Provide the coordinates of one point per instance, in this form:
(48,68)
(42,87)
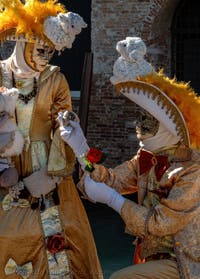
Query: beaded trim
(28,97)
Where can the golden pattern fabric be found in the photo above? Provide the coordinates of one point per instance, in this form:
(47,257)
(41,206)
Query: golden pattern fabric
(23,115)
(22,237)
(38,149)
(24,271)
(23,231)
(8,202)
(172,221)
(58,262)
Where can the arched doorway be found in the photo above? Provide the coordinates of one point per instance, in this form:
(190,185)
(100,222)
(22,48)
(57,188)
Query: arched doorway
(186,43)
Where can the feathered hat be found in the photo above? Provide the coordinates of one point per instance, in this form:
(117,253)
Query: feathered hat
(43,22)
(173,103)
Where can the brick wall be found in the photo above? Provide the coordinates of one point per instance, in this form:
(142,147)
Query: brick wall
(111,117)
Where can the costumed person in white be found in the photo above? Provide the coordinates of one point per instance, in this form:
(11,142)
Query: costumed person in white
(44,229)
(11,140)
(165,172)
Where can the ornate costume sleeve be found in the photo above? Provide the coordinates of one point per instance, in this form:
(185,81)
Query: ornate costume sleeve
(123,178)
(62,98)
(61,157)
(172,214)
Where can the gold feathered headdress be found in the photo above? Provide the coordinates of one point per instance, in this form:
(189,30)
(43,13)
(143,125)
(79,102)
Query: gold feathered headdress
(173,103)
(35,21)
(184,97)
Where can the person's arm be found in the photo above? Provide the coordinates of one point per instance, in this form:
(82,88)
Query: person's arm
(171,215)
(44,180)
(61,98)
(167,218)
(123,178)
(61,159)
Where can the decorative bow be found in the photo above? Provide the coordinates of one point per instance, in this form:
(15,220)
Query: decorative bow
(147,160)
(24,271)
(8,202)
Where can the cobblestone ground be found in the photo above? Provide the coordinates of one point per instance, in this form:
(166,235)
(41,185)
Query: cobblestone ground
(114,246)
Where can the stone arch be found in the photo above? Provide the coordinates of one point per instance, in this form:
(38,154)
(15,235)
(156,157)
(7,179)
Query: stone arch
(157,31)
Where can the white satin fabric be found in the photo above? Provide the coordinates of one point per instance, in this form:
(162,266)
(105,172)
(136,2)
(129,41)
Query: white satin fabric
(163,138)
(17,64)
(22,72)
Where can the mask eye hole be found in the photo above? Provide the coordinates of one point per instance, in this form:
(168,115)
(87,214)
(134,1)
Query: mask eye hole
(51,52)
(2,113)
(40,51)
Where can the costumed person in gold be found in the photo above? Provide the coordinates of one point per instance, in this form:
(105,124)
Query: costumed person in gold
(165,171)
(44,229)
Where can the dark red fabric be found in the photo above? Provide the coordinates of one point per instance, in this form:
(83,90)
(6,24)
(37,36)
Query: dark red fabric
(147,160)
(137,259)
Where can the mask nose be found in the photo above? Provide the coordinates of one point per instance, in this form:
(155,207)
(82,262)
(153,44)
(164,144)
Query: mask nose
(46,56)
(49,54)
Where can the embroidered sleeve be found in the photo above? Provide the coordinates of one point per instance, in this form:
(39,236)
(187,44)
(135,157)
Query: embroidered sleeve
(171,215)
(176,211)
(62,98)
(61,157)
(134,217)
(123,178)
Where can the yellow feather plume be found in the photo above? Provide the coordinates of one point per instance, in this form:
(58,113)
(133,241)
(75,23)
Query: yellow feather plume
(26,19)
(184,97)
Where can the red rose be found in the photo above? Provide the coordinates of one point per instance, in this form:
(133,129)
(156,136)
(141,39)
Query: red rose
(94,155)
(55,243)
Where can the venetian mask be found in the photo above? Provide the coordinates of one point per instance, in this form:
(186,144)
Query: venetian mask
(37,56)
(146,125)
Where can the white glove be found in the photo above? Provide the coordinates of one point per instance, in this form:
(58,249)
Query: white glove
(73,135)
(39,183)
(100,192)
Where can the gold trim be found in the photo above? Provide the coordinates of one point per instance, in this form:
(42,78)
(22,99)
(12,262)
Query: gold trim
(162,100)
(28,52)
(49,70)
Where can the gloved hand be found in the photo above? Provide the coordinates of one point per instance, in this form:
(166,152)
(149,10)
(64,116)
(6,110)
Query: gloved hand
(39,183)
(73,135)
(100,192)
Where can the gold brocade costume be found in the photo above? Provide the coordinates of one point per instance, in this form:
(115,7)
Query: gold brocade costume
(21,229)
(170,224)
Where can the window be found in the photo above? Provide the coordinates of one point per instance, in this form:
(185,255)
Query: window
(186,43)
